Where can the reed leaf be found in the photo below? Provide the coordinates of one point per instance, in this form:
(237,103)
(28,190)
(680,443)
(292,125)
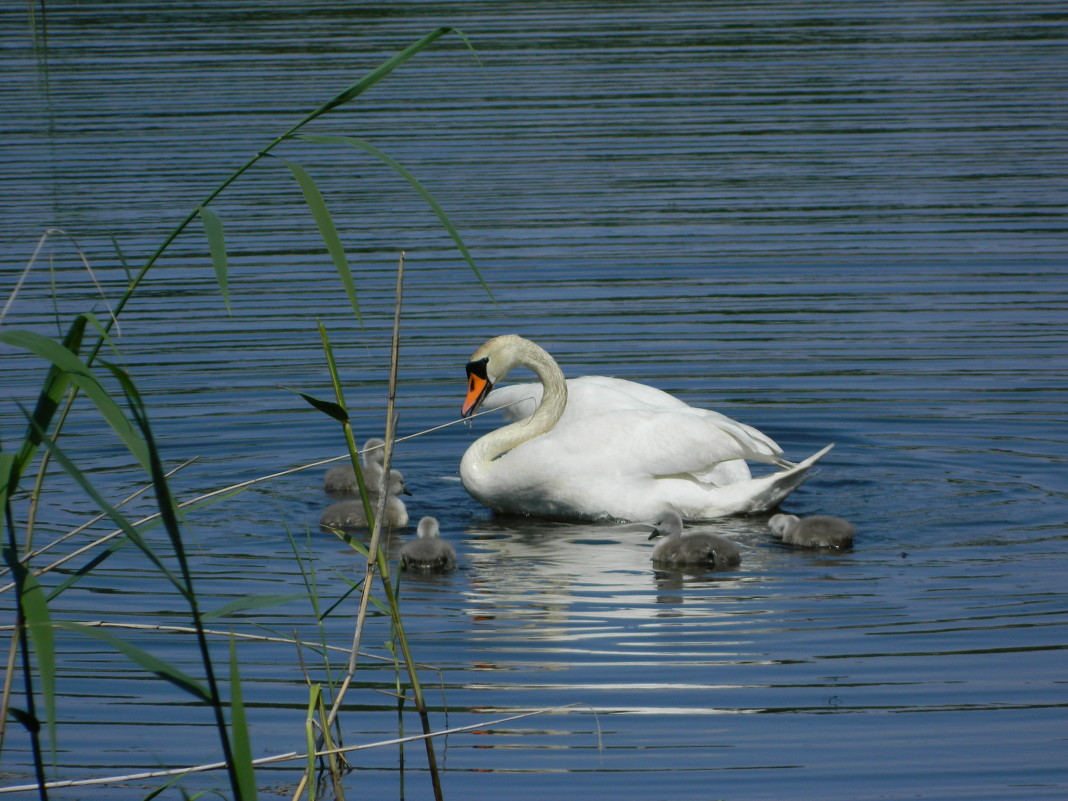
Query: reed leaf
(39,625)
(169,515)
(55,387)
(242,744)
(8,477)
(143,659)
(315,696)
(86,569)
(353,587)
(388,160)
(334,410)
(65,360)
(213,229)
(116,517)
(250,603)
(387,66)
(314,198)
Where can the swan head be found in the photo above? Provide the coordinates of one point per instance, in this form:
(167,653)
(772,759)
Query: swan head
(667,524)
(479,385)
(490,364)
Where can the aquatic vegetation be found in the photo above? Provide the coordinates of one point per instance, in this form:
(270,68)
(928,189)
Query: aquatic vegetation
(75,369)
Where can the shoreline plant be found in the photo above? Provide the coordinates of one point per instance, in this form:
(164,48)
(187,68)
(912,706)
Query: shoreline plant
(75,368)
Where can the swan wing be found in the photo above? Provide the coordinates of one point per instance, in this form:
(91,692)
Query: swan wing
(586,395)
(652,443)
(603,393)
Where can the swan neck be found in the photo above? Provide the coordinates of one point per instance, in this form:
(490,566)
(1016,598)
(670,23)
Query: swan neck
(549,411)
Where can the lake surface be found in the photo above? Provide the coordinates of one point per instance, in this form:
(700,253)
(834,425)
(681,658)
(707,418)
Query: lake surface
(837,223)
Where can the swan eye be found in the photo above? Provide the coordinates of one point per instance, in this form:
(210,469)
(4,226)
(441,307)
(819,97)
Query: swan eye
(478,369)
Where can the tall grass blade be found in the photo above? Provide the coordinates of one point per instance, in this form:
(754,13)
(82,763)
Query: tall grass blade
(54,388)
(250,603)
(143,659)
(314,699)
(62,358)
(330,408)
(39,625)
(314,198)
(116,517)
(169,515)
(213,229)
(356,142)
(85,569)
(386,67)
(242,745)
(8,478)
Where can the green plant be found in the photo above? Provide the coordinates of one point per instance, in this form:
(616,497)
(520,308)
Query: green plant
(70,374)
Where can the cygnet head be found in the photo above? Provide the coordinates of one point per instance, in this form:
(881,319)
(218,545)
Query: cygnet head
(781,523)
(428,528)
(427,552)
(341,478)
(373,477)
(373,452)
(667,524)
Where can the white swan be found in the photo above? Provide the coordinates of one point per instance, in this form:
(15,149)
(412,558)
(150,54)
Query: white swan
(817,531)
(341,478)
(693,547)
(428,552)
(604,448)
(349,514)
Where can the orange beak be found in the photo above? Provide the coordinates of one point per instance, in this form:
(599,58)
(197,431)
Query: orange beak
(478,387)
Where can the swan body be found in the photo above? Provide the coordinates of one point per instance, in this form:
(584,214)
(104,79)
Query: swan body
(349,514)
(692,548)
(341,479)
(600,448)
(817,531)
(427,552)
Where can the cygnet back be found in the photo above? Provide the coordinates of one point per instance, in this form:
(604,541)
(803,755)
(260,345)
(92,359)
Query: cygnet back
(341,478)
(427,552)
(349,514)
(816,531)
(692,548)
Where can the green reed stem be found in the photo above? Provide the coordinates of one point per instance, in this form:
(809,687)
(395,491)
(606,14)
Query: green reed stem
(348,94)
(376,558)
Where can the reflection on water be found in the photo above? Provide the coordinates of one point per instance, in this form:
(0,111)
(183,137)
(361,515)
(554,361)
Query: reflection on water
(835,226)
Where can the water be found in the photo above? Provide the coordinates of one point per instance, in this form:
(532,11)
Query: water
(838,225)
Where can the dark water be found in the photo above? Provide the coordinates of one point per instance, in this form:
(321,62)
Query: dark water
(837,223)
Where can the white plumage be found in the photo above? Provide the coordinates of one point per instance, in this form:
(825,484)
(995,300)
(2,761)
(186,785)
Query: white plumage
(606,448)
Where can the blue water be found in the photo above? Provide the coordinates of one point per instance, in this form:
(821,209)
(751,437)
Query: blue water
(837,224)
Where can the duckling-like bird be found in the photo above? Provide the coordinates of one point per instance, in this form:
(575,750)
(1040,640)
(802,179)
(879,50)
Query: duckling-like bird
(349,514)
(817,531)
(427,552)
(693,548)
(341,478)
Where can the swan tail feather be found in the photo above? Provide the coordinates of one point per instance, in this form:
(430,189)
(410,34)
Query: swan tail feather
(766,492)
